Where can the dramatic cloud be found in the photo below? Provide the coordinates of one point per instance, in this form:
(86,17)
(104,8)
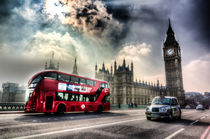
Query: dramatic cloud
(45,43)
(85,15)
(196,74)
(199,21)
(134,52)
(139,54)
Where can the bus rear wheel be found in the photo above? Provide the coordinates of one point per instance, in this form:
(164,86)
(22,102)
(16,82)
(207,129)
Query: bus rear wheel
(61,109)
(100,109)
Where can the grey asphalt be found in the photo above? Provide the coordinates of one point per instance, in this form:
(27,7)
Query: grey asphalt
(117,124)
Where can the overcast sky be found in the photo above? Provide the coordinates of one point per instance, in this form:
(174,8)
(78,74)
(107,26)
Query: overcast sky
(104,30)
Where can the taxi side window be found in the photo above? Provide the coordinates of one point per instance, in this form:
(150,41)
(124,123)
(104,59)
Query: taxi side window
(174,102)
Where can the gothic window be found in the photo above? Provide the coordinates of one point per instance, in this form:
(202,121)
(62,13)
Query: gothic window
(119,79)
(127,100)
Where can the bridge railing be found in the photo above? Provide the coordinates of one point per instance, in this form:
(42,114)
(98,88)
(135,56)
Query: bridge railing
(12,106)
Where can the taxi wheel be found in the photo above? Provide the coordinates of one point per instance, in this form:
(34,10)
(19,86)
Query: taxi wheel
(148,118)
(180,115)
(170,116)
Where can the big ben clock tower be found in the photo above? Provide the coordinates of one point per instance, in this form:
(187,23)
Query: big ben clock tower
(173,67)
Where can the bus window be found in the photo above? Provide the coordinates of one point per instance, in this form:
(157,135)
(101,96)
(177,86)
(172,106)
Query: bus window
(104,85)
(92,98)
(75,97)
(94,83)
(81,97)
(66,95)
(106,98)
(74,79)
(72,97)
(35,81)
(50,75)
(62,77)
(29,93)
(59,96)
(86,98)
(89,82)
(82,81)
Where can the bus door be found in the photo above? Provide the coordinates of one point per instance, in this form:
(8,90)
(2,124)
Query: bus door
(106,102)
(49,102)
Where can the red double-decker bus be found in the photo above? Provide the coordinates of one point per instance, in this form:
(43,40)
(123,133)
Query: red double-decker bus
(58,92)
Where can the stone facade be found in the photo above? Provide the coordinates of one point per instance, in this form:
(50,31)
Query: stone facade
(12,92)
(124,89)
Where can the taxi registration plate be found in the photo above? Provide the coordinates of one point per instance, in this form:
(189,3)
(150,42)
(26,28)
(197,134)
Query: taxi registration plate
(154,115)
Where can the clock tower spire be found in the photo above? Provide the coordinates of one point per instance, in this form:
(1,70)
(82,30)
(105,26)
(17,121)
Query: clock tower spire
(173,68)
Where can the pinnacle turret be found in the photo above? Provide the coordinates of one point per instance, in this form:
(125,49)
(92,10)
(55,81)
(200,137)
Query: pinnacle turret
(75,67)
(170,38)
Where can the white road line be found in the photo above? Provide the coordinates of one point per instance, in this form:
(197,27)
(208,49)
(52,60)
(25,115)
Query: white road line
(175,133)
(76,129)
(203,117)
(194,122)
(185,112)
(22,125)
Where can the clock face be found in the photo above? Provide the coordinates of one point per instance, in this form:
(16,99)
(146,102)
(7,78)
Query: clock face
(170,52)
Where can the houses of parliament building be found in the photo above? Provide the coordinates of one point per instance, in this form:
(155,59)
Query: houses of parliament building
(125,90)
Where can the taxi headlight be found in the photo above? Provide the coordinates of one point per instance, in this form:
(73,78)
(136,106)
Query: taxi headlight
(148,109)
(164,109)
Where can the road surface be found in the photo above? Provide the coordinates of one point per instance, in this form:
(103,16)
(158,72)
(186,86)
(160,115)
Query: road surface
(118,124)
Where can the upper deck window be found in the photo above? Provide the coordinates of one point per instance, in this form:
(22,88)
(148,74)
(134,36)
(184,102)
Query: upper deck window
(62,77)
(104,85)
(90,82)
(35,81)
(50,75)
(82,81)
(74,79)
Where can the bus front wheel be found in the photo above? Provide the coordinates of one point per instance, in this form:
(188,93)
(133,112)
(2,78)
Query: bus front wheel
(61,109)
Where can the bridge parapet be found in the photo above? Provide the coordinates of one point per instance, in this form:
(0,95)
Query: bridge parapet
(12,106)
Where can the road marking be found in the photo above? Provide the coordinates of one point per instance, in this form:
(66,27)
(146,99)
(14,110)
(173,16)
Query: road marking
(203,117)
(175,133)
(22,125)
(188,112)
(205,133)
(194,122)
(76,129)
